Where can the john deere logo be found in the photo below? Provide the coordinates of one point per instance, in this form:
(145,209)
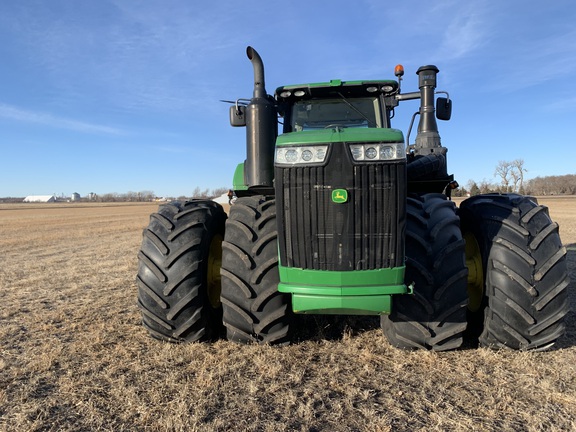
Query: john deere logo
(339,196)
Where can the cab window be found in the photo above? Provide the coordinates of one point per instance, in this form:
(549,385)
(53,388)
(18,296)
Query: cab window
(313,114)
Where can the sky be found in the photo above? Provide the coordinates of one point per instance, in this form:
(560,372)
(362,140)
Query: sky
(116,96)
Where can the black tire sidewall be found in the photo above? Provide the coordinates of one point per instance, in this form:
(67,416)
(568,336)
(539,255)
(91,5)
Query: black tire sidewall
(176,244)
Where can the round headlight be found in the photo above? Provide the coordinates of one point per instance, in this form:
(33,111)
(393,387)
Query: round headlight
(371,153)
(291,156)
(307,155)
(386,152)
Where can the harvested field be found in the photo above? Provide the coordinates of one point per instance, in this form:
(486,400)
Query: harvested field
(73,355)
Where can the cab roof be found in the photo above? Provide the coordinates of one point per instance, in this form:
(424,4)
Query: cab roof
(334,87)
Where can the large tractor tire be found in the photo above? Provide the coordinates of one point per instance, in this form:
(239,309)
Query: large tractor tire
(434,316)
(518,276)
(253,309)
(179,272)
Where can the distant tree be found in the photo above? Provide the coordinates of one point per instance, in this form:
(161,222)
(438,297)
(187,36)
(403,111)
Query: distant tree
(511,174)
(551,185)
(146,195)
(539,186)
(460,192)
(109,197)
(199,193)
(503,170)
(130,196)
(473,188)
(571,184)
(486,187)
(218,192)
(207,193)
(517,171)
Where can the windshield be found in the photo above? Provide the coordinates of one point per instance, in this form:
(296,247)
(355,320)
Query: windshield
(315,114)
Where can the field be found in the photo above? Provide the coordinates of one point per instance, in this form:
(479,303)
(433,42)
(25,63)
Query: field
(74,357)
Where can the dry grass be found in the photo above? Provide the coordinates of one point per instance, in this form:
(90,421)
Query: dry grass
(74,357)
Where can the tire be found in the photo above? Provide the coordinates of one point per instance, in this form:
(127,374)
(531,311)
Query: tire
(522,299)
(427,167)
(253,309)
(179,272)
(434,316)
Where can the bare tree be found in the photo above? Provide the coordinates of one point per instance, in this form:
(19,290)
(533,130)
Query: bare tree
(147,195)
(552,185)
(207,193)
(218,191)
(486,187)
(511,172)
(503,170)
(517,171)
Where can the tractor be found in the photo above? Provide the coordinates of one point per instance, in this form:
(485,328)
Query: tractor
(339,214)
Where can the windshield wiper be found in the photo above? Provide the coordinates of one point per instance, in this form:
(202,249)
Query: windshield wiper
(370,122)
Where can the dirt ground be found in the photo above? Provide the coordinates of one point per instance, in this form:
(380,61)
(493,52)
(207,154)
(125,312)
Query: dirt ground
(74,357)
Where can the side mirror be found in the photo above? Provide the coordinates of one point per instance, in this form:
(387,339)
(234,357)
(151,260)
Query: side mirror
(237,116)
(443,108)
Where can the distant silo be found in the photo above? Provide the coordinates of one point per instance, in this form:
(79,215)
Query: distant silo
(75,196)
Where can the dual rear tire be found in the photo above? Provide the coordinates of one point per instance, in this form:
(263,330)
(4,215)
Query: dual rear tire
(518,277)
(192,277)
(514,273)
(179,272)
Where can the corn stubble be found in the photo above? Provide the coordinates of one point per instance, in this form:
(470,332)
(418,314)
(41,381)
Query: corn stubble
(74,356)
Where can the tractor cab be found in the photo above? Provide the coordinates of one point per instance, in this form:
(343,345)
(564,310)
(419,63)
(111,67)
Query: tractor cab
(354,104)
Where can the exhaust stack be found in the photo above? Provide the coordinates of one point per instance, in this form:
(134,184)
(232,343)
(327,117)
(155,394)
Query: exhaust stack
(261,129)
(259,84)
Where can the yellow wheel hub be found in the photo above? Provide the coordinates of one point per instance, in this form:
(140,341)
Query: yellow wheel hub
(214,286)
(475,273)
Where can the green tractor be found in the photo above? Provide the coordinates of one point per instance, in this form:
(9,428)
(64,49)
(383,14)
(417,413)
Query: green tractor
(339,214)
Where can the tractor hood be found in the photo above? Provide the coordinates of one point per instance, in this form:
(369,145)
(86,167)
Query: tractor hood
(337,134)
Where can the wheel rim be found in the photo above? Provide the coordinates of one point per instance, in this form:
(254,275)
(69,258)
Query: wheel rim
(475,273)
(213,279)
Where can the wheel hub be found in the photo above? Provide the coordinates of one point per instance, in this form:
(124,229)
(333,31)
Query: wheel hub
(475,273)
(213,279)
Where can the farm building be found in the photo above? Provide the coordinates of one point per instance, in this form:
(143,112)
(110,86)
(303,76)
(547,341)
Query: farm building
(40,198)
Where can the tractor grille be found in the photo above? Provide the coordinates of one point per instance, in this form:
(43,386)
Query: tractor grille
(364,233)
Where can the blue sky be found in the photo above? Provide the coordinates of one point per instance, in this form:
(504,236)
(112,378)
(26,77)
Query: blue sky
(123,95)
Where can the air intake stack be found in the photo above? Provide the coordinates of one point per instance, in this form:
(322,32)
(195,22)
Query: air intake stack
(428,136)
(428,139)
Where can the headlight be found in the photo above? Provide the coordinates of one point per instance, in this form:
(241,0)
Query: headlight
(301,155)
(378,151)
